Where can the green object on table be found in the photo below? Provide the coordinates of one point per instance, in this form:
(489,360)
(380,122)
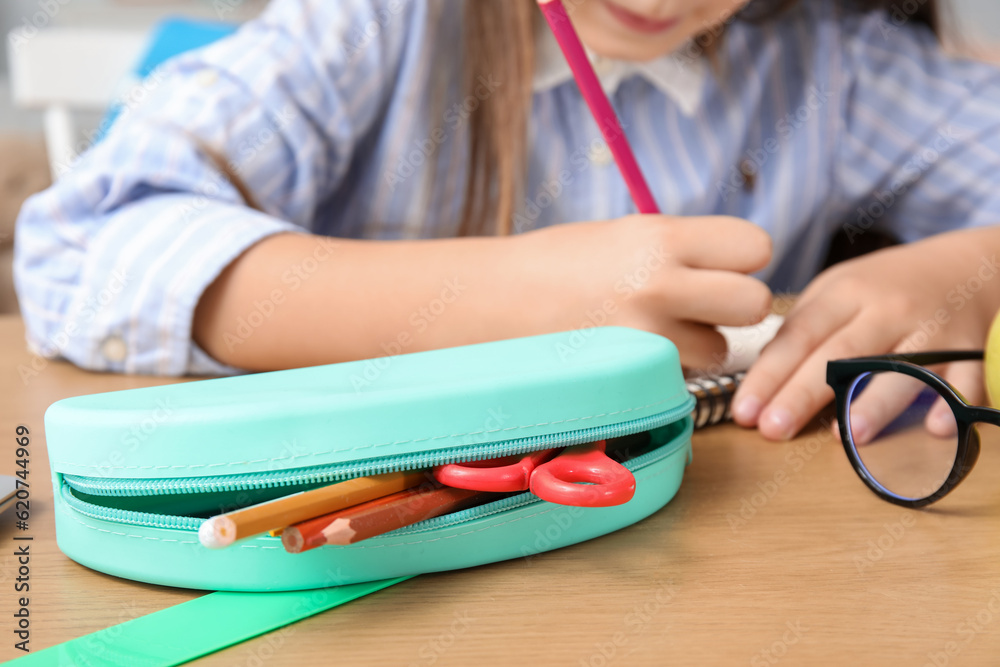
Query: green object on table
(232,441)
(193,629)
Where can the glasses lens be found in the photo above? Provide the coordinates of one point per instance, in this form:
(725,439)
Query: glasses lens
(905,434)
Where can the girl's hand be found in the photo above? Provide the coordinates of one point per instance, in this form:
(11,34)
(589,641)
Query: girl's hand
(935,294)
(677,277)
(673,276)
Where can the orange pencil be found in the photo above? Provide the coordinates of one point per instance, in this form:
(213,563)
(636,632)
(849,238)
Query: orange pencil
(222,530)
(379,516)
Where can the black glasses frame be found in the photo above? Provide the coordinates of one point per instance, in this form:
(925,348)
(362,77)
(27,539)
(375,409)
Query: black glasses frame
(843,376)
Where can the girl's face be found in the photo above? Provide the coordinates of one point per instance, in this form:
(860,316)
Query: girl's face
(645,29)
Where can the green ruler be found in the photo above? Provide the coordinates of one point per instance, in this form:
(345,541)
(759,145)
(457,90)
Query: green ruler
(192,629)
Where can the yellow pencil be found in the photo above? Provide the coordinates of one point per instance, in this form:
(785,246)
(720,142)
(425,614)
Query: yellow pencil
(222,530)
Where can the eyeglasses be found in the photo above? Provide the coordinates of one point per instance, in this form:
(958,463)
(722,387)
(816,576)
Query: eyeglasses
(910,436)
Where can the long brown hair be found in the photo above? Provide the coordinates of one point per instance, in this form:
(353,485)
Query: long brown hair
(498,128)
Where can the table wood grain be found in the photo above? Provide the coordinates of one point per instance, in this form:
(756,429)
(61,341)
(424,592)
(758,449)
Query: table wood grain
(770,554)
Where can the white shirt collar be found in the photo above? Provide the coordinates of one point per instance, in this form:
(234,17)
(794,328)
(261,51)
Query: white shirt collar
(678,76)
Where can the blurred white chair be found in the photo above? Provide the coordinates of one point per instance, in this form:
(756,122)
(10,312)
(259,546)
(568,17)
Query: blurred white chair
(60,71)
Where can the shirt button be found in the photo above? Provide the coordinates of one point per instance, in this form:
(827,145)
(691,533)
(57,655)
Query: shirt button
(601,64)
(113,348)
(207,78)
(601,156)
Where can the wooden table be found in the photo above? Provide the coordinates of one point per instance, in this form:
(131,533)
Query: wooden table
(770,553)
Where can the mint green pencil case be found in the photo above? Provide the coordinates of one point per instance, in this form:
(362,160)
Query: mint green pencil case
(136,472)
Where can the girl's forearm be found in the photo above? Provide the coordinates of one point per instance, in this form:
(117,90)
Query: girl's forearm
(298,300)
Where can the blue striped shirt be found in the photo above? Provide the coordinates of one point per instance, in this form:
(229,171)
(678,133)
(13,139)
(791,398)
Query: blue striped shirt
(345,119)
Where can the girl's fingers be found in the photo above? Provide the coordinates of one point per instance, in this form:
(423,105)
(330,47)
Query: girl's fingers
(700,346)
(880,399)
(805,329)
(967,378)
(806,392)
(940,420)
(718,297)
(736,245)
(878,403)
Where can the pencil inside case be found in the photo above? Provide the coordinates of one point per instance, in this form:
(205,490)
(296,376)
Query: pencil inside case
(201,498)
(136,472)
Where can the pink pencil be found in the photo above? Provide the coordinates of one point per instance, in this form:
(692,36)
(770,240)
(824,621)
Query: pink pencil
(600,107)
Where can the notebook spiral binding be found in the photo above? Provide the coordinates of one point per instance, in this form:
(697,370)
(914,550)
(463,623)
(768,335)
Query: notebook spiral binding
(714,395)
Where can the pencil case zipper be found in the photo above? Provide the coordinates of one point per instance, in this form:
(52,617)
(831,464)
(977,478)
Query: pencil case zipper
(333,473)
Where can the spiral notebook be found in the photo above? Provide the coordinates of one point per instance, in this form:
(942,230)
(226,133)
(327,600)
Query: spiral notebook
(8,489)
(714,395)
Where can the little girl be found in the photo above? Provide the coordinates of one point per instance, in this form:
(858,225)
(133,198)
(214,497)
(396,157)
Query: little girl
(353,178)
